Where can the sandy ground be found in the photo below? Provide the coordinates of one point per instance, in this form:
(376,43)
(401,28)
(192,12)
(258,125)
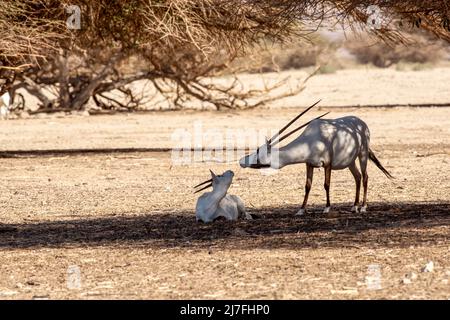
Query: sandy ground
(126,220)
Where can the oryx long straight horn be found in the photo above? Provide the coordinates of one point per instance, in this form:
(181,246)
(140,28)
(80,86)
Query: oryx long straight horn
(205,187)
(210,181)
(200,184)
(301,127)
(291,122)
(208,184)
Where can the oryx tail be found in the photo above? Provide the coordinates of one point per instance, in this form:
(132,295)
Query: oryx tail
(377,162)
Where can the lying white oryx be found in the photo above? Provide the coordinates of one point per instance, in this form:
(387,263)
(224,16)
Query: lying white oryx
(5,101)
(334,144)
(217,203)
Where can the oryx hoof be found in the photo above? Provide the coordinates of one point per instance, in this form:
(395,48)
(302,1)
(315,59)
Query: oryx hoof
(326,210)
(301,212)
(355,209)
(248,216)
(363,209)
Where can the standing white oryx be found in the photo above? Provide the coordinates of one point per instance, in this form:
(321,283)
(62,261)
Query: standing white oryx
(334,144)
(217,203)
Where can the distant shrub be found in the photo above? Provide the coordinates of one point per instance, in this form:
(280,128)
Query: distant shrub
(421,51)
(287,57)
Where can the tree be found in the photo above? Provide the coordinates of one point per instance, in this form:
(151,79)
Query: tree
(178,42)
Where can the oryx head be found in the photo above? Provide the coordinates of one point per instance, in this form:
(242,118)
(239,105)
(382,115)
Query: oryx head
(261,158)
(266,156)
(222,182)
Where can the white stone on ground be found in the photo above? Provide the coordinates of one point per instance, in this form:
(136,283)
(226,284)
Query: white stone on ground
(429,267)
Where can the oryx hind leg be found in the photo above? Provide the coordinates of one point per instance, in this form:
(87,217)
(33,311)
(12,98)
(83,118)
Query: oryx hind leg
(327,188)
(241,208)
(357,175)
(363,158)
(309,178)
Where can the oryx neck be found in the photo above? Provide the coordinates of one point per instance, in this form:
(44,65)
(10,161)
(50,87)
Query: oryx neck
(294,152)
(218,193)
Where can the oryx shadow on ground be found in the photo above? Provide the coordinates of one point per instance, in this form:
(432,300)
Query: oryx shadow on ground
(385,225)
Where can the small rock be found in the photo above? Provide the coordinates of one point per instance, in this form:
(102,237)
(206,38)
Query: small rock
(409,278)
(345,291)
(406,281)
(24,115)
(8,293)
(429,267)
(276,231)
(239,232)
(59,115)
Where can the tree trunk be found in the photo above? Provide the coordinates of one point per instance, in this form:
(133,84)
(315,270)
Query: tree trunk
(82,98)
(63,79)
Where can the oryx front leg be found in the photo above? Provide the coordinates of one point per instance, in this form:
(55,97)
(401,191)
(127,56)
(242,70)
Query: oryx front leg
(309,178)
(327,188)
(357,175)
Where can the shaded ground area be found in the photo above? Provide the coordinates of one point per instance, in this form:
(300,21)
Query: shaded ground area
(387,225)
(126,220)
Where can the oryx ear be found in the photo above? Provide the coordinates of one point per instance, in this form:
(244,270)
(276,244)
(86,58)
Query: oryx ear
(267,140)
(213,175)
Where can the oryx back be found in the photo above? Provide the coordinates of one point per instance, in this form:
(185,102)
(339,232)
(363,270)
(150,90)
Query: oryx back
(331,141)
